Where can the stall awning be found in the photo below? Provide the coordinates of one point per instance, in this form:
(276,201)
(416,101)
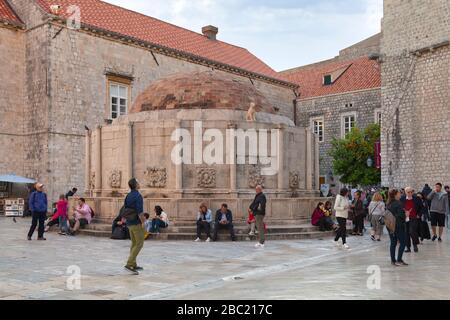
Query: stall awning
(15,179)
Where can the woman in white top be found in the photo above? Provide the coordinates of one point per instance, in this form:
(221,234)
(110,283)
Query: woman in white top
(377,208)
(160,221)
(341,207)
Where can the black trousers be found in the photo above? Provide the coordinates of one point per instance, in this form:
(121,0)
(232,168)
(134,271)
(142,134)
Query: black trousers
(53,223)
(38,217)
(359,223)
(412,233)
(342,231)
(228,226)
(203,226)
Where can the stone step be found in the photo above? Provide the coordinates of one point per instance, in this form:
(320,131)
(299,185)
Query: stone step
(224,236)
(240,229)
(187,223)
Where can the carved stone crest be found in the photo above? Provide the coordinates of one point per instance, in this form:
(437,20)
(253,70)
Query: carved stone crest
(156,177)
(206,178)
(254,177)
(294,180)
(115,179)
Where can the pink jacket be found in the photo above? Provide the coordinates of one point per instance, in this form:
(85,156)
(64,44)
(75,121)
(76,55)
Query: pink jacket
(83,212)
(61,209)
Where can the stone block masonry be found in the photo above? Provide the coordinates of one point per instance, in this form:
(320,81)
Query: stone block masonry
(415,93)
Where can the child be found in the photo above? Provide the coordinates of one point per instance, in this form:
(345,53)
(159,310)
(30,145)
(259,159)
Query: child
(252,222)
(61,214)
(148,225)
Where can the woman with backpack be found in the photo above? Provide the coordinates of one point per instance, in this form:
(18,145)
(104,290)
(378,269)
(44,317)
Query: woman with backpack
(377,208)
(395,207)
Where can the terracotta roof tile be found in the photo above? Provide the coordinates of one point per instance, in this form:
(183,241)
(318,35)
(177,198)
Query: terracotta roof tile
(7,13)
(109,17)
(362,73)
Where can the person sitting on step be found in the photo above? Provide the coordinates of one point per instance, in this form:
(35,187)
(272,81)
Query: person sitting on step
(224,220)
(204,219)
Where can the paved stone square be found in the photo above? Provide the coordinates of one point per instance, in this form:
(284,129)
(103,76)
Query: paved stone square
(308,269)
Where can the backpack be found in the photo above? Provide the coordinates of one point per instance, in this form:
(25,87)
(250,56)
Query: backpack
(389,221)
(92,212)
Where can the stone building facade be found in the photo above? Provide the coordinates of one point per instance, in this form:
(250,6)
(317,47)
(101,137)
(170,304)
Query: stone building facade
(353,97)
(415,93)
(71,79)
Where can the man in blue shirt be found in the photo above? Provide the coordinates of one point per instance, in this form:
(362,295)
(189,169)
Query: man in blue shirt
(135,225)
(38,207)
(224,220)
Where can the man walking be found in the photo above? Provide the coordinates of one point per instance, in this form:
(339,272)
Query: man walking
(258,208)
(135,220)
(438,210)
(38,207)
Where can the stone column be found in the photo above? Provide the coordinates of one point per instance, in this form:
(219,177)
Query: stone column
(179,171)
(87,168)
(281,157)
(130,150)
(231,157)
(309,160)
(98,161)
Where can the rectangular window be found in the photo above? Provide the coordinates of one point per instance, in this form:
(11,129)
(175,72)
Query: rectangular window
(118,97)
(348,123)
(378,117)
(327,80)
(318,127)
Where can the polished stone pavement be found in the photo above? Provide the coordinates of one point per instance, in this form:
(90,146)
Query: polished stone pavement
(307,269)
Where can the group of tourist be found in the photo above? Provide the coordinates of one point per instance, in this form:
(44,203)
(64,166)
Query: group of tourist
(411,211)
(82,213)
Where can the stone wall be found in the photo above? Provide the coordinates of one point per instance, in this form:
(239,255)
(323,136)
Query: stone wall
(331,108)
(12,56)
(415,93)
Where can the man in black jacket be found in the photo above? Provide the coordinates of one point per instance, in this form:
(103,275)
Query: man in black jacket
(258,208)
(224,219)
(413,205)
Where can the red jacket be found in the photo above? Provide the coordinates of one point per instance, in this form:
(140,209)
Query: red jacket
(316,216)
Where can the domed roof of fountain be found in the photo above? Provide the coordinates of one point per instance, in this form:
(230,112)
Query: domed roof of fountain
(201,90)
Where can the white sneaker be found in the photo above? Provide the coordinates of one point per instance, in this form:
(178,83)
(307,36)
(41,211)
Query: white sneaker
(346,246)
(251,234)
(198,240)
(337,243)
(259,246)
(208,240)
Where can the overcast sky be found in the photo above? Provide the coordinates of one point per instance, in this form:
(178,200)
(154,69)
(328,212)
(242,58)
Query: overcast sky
(283,33)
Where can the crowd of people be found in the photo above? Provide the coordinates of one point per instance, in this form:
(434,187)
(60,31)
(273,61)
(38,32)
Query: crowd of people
(405,214)
(410,211)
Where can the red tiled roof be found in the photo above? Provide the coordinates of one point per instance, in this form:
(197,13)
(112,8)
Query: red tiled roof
(362,73)
(7,14)
(109,17)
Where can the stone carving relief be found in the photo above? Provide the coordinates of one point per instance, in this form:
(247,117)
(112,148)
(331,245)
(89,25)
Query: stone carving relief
(206,178)
(115,179)
(254,177)
(156,177)
(92,181)
(294,180)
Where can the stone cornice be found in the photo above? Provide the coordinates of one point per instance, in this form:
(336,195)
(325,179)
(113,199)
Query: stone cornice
(11,24)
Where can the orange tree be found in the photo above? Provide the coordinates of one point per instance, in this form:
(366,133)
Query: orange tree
(350,157)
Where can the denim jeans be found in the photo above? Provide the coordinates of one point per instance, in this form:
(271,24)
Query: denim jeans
(398,236)
(63,224)
(156,225)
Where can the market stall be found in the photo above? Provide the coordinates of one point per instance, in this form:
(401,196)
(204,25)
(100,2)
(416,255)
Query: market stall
(14,191)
